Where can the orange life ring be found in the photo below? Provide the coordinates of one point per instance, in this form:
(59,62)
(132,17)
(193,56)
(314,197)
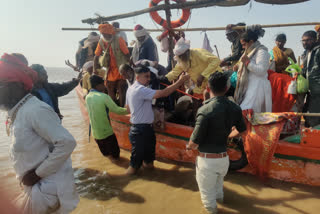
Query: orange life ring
(174,24)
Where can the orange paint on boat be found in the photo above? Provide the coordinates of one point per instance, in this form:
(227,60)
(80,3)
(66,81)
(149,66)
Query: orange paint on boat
(292,162)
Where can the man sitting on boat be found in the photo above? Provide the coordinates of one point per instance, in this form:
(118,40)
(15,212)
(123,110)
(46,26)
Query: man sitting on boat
(215,121)
(50,92)
(111,52)
(198,63)
(99,105)
(139,99)
(311,70)
(280,55)
(41,147)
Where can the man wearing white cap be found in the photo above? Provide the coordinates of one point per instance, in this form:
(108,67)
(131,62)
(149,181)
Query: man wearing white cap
(144,47)
(198,63)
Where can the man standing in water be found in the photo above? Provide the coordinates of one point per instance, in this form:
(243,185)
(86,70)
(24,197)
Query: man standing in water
(215,122)
(99,105)
(142,136)
(41,147)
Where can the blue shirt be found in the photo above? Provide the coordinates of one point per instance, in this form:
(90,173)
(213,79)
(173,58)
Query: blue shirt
(139,98)
(45,97)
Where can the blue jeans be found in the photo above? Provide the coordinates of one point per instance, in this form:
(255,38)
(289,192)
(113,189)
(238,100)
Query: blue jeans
(143,141)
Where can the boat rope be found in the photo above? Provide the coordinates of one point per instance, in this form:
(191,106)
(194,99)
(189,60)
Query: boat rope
(182,92)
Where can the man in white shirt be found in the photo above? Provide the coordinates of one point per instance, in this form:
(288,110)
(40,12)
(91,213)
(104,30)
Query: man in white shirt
(139,99)
(41,147)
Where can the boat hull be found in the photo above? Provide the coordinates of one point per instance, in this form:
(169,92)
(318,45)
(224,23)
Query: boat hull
(292,162)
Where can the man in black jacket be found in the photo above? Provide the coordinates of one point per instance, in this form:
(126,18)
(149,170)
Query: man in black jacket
(311,70)
(49,92)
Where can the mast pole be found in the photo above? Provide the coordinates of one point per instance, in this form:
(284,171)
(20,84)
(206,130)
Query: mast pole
(168,17)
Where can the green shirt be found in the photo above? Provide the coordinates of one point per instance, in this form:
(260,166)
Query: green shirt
(214,123)
(98,106)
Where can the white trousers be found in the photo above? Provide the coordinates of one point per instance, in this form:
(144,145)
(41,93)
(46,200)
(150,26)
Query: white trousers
(210,173)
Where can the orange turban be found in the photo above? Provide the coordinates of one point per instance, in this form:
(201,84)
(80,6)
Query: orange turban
(317,28)
(107,29)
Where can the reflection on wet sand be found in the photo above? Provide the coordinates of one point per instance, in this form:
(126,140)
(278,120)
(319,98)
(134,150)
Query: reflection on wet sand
(104,188)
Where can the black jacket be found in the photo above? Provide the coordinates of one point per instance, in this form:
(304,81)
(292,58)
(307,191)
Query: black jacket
(313,70)
(56,90)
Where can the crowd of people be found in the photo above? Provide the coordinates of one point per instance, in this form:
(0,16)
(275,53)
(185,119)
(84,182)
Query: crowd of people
(117,78)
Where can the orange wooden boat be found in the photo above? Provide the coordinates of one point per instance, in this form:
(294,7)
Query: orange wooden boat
(292,162)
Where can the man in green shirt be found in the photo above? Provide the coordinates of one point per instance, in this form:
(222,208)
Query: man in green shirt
(217,119)
(99,105)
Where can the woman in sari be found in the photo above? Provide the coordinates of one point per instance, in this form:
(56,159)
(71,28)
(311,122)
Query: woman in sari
(253,89)
(280,55)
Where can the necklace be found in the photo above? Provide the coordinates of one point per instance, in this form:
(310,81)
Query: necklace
(10,120)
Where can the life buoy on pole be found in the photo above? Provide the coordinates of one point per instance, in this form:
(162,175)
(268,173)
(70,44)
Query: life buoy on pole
(174,24)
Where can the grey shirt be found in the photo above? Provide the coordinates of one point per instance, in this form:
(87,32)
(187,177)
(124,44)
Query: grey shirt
(139,98)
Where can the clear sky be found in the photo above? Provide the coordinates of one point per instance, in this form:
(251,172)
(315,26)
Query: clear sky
(33,27)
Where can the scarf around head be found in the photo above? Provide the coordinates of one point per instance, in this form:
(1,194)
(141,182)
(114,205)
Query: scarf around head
(243,73)
(13,69)
(107,29)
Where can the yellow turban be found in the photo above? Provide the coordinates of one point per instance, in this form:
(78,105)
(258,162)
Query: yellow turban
(317,28)
(107,29)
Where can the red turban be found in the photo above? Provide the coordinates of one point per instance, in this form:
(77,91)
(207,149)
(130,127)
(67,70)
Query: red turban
(107,29)
(13,69)
(317,28)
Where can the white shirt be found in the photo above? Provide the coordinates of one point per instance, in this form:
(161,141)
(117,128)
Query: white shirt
(123,35)
(40,142)
(139,98)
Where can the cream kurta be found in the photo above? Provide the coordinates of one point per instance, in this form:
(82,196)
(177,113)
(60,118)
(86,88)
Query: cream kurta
(40,142)
(258,95)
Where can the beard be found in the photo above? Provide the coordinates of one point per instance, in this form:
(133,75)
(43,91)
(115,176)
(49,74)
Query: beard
(184,64)
(106,40)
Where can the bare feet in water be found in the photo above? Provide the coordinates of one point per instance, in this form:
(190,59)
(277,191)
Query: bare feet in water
(131,171)
(148,165)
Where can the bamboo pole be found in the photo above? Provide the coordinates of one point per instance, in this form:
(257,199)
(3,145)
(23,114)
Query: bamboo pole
(193,4)
(308,114)
(171,45)
(204,29)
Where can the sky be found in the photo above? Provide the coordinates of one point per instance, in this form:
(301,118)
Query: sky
(33,27)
